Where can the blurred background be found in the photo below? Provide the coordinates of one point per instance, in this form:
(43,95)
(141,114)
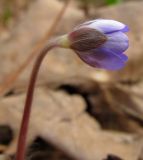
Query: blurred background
(79,112)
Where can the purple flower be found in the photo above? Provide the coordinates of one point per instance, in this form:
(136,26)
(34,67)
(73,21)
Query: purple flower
(101,43)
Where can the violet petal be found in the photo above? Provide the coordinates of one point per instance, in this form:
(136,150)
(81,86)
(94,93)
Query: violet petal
(117,42)
(105,25)
(101,58)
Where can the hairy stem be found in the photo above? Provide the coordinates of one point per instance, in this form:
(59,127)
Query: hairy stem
(21,148)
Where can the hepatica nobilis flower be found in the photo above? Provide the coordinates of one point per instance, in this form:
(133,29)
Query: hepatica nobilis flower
(100,43)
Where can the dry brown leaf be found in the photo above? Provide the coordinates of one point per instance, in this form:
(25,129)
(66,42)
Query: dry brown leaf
(61,120)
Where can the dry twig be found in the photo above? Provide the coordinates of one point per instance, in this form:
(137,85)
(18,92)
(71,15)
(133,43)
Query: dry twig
(11,79)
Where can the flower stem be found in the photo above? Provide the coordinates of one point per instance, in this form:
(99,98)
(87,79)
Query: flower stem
(21,148)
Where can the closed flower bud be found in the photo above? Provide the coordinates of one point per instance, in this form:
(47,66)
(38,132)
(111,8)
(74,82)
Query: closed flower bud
(100,43)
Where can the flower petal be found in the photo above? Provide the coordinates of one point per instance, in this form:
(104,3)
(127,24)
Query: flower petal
(102,58)
(105,25)
(125,29)
(117,42)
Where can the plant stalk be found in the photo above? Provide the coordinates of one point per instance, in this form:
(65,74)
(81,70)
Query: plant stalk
(21,148)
